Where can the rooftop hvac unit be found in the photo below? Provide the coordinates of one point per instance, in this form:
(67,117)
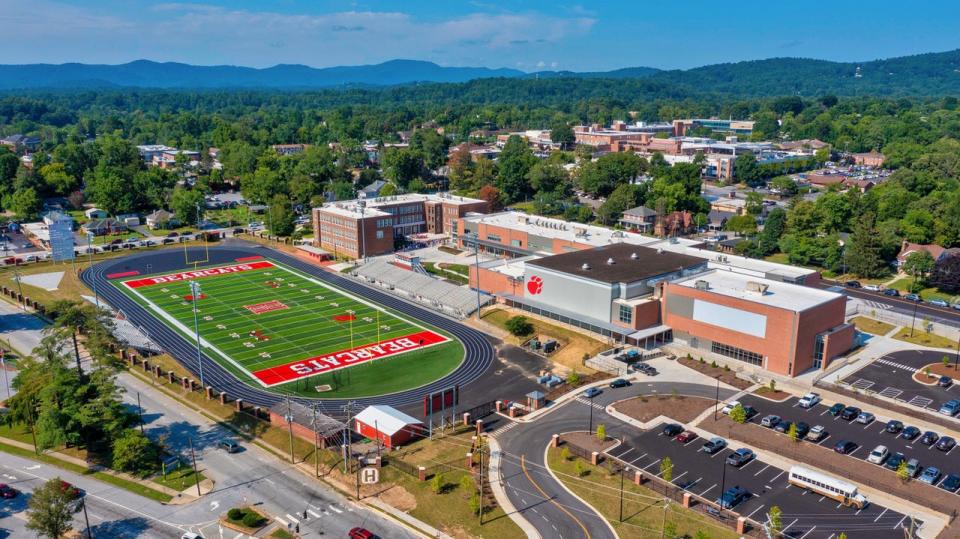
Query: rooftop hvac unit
(701,285)
(757,288)
(585,266)
(633,256)
(610,261)
(659,250)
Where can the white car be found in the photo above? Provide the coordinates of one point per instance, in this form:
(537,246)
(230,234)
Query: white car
(729,406)
(872,287)
(809,400)
(878,455)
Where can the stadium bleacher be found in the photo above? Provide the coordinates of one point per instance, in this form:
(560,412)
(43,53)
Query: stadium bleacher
(459,301)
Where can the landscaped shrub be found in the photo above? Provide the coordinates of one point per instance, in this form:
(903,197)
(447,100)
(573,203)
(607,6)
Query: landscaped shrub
(235,514)
(253,520)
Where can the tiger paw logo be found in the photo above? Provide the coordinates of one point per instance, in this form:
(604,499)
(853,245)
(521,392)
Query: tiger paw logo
(535,285)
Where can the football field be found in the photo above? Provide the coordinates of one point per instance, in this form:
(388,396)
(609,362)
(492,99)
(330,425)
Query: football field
(275,326)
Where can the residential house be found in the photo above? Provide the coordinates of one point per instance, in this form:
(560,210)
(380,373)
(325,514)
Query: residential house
(104,227)
(95,213)
(150,151)
(907,248)
(640,218)
(160,219)
(717,219)
(372,190)
(674,224)
(21,143)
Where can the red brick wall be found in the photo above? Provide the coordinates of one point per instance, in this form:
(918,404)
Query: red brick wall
(495,283)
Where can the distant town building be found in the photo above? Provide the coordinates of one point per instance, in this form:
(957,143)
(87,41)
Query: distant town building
(872,158)
(736,127)
(640,218)
(290,149)
(20,143)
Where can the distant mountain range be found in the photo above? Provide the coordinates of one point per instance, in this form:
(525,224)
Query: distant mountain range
(924,74)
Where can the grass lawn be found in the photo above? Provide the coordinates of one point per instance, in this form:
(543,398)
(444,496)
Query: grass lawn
(642,508)
(871,326)
(179,479)
(924,338)
(779,258)
(437,270)
(906,285)
(270,322)
(573,344)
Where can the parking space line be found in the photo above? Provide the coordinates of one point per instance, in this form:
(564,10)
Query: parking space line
(620,456)
(751,461)
(638,458)
(881,514)
(755,510)
(897,525)
(788,526)
(679,476)
(761,471)
(708,489)
(778,475)
(651,464)
(808,532)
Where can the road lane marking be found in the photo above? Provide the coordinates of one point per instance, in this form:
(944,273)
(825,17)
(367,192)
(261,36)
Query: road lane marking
(523,466)
(313,513)
(336,509)
(778,475)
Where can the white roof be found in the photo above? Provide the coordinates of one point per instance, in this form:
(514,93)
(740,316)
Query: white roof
(351,208)
(386,419)
(791,297)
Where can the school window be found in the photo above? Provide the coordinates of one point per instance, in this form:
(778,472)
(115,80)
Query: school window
(493,237)
(737,353)
(379,234)
(516,243)
(626,314)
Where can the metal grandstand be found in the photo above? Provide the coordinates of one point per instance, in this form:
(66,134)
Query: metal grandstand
(449,298)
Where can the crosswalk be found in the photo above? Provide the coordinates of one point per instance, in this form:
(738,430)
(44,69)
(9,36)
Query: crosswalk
(588,402)
(896,365)
(500,430)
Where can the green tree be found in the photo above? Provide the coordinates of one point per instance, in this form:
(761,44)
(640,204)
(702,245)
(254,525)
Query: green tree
(416,185)
(133,452)
(602,432)
(666,469)
(822,155)
(561,133)
(945,360)
(738,414)
(519,326)
(775,520)
(863,253)
(784,186)
(565,453)
(792,432)
(437,483)
(902,473)
(754,205)
(742,225)
(281,216)
(624,197)
(26,204)
(546,177)
(402,165)
(431,145)
(579,468)
(601,177)
(746,170)
(513,166)
(388,190)
(573,378)
(57,179)
(918,265)
(187,205)
(466,484)
(50,510)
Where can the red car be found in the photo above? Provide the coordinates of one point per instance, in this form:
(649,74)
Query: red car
(361,533)
(71,490)
(6,491)
(686,436)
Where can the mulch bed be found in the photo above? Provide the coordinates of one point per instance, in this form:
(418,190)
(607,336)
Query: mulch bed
(856,470)
(772,394)
(679,408)
(725,376)
(938,370)
(588,441)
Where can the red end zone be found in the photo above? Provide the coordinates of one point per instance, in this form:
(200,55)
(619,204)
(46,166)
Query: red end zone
(347,358)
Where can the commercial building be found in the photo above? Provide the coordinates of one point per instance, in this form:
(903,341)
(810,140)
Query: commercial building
(736,127)
(648,291)
(371,227)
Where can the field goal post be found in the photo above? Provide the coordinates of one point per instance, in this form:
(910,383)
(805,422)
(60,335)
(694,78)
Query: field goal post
(206,244)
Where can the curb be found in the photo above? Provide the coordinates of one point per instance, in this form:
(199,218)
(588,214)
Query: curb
(496,485)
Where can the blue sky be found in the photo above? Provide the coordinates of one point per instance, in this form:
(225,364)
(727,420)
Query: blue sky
(522,34)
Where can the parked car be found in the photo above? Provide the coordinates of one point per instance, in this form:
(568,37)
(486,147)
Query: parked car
(809,400)
(912,297)
(930,475)
(951,483)
(872,287)
(646,369)
(686,436)
(228,445)
(950,408)
(939,303)
(713,445)
(802,430)
(6,491)
(945,381)
(850,413)
(770,421)
(929,438)
(619,382)
(740,457)
(894,426)
(892,292)
(729,406)
(72,492)
(865,418)
(844,447)
(913,467)
(836,409)
(854,284)
(946,443)
(817,433)
(732,497)
(894,461)
(360,533)
(909,433)
(672,429)
(878,455)
(782,426)
(591,392)
(750,412)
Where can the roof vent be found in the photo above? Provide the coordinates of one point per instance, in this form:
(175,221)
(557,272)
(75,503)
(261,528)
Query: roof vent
(757,288)
(610,261)
(659,250)
(633,256)
(585,266)
(701,285)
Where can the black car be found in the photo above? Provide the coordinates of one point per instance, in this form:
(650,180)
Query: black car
(894,426)
(732,497)
(854,284)
(782,426)
(945,381)
(929,438)
(844,447)
(619,382)
(850,413)
(836,409)
(891,292)
(909,433)
(750,411)
(946,443)
(894,461)
(672,429)
(951,483)
(802,430)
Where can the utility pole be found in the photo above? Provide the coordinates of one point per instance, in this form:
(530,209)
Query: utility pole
(96,295)
(480,450)
(621,493)
(195,293)
(86,519)
(289,419)
(316,442)
(663,522)
(196,474)
(3,365)
(716,402)
(348,408)
(476,262)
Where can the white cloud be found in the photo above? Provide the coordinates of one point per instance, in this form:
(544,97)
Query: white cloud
(46,30)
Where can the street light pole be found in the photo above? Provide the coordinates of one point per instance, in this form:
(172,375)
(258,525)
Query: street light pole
(716,402)
(90,258)
(195,292)
(476,262)
(86,519)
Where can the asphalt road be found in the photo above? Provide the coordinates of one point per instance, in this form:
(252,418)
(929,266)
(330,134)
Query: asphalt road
(892,376)
(943,315)
(866,437)
(478,356)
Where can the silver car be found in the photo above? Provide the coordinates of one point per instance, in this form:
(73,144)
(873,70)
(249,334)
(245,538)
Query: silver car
(770,421)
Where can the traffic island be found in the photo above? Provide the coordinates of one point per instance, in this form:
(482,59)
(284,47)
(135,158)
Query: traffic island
(680,408)
(245,520)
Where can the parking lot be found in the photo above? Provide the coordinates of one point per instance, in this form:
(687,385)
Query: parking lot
(865,436)
(892,376)
(805,514)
